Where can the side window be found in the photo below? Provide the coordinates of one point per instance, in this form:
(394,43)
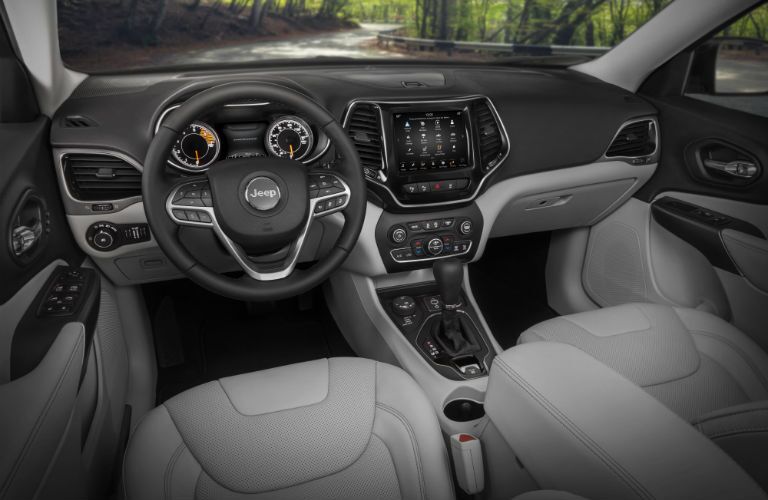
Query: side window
(731,69)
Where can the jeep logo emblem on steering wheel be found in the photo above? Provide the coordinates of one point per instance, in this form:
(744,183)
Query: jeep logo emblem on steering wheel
(262,193)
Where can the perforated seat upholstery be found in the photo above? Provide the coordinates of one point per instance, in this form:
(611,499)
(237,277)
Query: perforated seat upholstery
(331,428)
(697,364)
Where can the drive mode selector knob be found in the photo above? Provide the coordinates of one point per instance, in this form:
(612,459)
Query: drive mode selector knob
(404,305)
(103,240)
(435,246)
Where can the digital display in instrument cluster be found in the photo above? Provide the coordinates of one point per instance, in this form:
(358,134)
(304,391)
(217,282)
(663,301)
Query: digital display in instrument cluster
(430,140)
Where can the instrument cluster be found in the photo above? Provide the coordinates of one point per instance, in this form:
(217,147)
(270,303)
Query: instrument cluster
(239,132)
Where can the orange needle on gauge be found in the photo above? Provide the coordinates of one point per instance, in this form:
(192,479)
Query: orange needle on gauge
(290,146)
(197,157)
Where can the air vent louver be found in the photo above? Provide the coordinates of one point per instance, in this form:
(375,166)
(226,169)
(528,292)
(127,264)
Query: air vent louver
(363,128)
(98,177)
(634,140)
(77,122)
(491,143)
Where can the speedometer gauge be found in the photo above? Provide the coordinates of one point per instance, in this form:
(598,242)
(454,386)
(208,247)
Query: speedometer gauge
(197,146)
(289,137)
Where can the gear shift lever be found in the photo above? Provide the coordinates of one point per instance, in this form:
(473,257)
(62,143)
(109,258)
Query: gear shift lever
(449,274)
(449,332)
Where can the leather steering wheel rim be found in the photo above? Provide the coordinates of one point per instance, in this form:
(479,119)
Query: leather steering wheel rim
(156,189)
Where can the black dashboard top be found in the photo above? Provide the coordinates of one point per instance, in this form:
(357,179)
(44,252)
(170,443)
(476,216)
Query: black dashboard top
(554,118)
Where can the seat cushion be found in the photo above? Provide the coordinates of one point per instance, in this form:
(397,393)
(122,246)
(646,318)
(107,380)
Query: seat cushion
(337,428)
(692,361)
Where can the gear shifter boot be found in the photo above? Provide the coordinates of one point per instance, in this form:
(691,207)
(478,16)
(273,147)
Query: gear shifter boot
(454,334)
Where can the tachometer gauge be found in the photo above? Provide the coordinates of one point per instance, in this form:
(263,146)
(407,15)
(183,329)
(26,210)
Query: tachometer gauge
(289,137)
(197,147)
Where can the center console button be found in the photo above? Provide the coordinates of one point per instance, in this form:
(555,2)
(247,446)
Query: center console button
(422,187)
(435,246)
(404,305)
(414,226)
(465,227)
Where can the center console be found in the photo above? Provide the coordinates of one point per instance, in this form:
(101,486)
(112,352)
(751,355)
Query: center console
(439,322)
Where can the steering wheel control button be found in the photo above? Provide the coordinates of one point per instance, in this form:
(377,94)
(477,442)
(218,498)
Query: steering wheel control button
(180,214)
(465,227)
(398,234)
(262,193)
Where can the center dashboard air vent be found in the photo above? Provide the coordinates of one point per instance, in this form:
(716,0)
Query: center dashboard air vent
(636,139)
(491,143)
(100,177)
(364,128)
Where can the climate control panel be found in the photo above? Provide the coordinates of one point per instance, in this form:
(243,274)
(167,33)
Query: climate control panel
(411,241)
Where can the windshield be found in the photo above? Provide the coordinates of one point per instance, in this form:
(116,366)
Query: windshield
(108,35)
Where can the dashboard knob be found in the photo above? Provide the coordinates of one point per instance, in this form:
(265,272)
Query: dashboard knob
(435,246)
(465,227)
(103,240)
(404,305)
(398,234)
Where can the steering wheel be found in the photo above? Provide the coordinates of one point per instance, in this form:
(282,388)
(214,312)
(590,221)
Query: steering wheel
(259,208)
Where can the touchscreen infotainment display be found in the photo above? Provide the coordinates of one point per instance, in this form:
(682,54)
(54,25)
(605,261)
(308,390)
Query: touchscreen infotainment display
(430,140)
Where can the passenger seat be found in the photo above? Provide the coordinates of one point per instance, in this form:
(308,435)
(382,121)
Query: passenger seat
(698,365)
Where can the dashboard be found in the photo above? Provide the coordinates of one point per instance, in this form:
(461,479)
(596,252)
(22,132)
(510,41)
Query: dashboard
(469,153)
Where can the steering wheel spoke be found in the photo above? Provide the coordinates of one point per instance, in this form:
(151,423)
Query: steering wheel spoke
(328,194)
(191,204)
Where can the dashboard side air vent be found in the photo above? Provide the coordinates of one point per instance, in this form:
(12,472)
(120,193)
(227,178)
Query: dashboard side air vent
(364,128)
(636,139)
(77,121)
(491,143)
(100,177)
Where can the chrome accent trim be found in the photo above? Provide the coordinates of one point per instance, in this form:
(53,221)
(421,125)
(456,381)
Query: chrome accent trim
(427,259)
(649,158)
(119,203)
(234,249)
(167,110)
(486,175)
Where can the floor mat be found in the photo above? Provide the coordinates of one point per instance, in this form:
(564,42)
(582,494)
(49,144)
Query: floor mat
(216,337)
(509,285)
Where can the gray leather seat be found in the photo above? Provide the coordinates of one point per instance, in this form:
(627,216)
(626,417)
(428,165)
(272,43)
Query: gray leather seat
(331,428)
(698,365)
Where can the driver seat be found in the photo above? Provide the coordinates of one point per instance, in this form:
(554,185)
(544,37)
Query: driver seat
(332,428)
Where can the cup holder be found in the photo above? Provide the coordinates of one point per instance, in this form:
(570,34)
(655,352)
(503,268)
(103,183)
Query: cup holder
(463,410)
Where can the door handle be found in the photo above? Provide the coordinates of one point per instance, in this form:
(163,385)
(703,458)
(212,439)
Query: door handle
(24,238)
(737,168)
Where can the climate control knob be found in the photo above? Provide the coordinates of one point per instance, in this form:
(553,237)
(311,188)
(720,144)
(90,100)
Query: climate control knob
(435,246)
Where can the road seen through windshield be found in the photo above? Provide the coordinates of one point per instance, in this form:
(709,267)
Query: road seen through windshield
(358,43)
